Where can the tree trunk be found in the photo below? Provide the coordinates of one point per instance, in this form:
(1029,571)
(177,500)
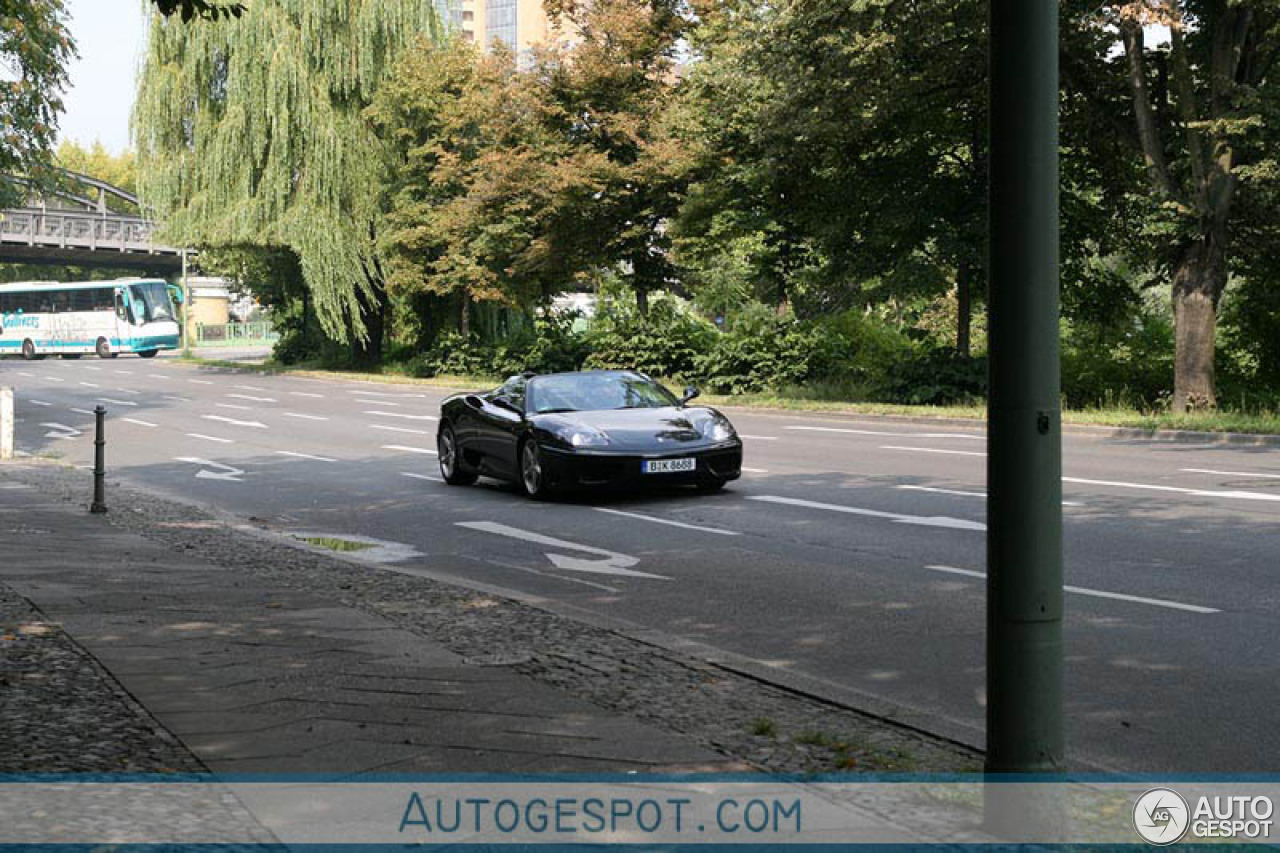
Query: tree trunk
(964,308)
(373,312)
(1198,281)
(642,301)
(464,317)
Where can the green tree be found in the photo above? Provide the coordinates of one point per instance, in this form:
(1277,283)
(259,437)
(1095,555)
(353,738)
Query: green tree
(251,132)
(35,48)
(1197,114)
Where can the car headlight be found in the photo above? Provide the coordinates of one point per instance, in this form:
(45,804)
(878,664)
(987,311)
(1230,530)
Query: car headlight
(586,437)
(718,429)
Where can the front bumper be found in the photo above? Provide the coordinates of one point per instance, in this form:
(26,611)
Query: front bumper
(570,468)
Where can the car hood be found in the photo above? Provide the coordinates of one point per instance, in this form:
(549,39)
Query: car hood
(650,430)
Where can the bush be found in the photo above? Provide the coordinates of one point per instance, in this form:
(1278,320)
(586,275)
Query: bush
(1130,368)
(764,350)
(550,347)
(667,342)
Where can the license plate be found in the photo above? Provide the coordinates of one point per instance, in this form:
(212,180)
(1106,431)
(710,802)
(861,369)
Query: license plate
(670,466)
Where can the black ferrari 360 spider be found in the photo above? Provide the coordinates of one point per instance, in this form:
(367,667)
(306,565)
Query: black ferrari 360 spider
(562,430)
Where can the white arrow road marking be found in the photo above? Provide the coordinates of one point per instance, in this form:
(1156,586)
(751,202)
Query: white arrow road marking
(1210,471)
(415,476)
(117,402)
(402,415)
(234,422)
(252,398)
(401,429)
(409,449)
(138,422)
(57,430)
(932,450)
(612,564)
(229,472)
(656,520)
(39,403)
(210,438)
(897,517)
(304,417)
(305,456)
(1095,593)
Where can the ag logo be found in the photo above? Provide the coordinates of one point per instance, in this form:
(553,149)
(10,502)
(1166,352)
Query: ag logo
(1161,816)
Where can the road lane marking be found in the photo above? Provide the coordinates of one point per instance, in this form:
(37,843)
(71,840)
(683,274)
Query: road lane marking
(228,473)
(252,399)
(304,417)
(176,399)
(249,387)
(24,373)
(305,456)
(758,437)
(1203,493)
(416,476)
(90,385)
(116,402)
(932,450)
(234,422)
(402,415)
(234,406)
(401,429)
(896,517)
(380,394)
(200,381)
(39,403)
(378,402)
(158,376)
(965,435)
(668,521)
(122,370)
(1210,471)
(90,367)
(138,422)
(82,411)
(1095,593)
(754,471)
(211,438)
(57,430)
(409,449)
(54,379)
(612,564)
(959,493)
(306,394)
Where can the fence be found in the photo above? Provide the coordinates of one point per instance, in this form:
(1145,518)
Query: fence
(235,334)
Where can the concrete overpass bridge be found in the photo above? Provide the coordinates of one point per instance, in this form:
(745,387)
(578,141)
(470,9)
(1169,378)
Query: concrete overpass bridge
(80,223)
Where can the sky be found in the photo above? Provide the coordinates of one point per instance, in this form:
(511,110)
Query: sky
(111,38)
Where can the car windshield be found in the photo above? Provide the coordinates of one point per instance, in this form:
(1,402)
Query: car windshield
(586,392)
(151,301)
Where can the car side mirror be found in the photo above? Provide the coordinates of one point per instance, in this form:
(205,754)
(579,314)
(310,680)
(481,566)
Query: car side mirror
(689,394)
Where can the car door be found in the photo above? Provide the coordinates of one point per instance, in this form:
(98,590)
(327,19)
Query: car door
(499,424)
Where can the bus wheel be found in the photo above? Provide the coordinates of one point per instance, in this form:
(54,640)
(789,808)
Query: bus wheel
(103,348)
(29,350)
(148,353)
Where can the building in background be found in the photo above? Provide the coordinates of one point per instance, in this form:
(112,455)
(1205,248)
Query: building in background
(520,24)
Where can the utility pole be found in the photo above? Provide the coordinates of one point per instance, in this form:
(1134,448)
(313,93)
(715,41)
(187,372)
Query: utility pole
(1024,438)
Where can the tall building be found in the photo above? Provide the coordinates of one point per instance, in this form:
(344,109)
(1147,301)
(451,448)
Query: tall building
(520,24)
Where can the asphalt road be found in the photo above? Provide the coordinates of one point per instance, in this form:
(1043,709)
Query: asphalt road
(847,560)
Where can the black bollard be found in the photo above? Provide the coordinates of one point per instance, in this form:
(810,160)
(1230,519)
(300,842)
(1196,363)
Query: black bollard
(99,467)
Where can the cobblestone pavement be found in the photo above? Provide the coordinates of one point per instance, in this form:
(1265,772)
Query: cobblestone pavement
(765,727)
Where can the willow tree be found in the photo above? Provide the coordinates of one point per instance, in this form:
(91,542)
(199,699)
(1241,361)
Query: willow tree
(250,132)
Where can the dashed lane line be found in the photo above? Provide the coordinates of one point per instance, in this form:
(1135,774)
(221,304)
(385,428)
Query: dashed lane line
(407,449)
(306,394)
(403,415)
(932,450)
(39,403)
(301,416)
(963,494)
(896,517)
(210,438)
(667,521)
(1203,493)
(116,402)
(758,437)
(310,456)
(234,422)
(1220,473)
(400,429)
(138,422)
(252,398)
(415,476)
(200,381)
(1095,593)
(234,406)
(850,431)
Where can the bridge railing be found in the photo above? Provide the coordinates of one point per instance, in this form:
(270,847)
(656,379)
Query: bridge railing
(71,229)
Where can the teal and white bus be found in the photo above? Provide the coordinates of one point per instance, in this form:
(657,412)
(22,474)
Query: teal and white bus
(103,317)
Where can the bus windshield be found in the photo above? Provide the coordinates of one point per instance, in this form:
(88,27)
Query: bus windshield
(152,302)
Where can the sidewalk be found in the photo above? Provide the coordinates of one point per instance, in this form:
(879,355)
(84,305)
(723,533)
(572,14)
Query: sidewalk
(227,670)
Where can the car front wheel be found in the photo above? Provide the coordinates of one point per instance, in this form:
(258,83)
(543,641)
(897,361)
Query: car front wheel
(533,477)
(452,467)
